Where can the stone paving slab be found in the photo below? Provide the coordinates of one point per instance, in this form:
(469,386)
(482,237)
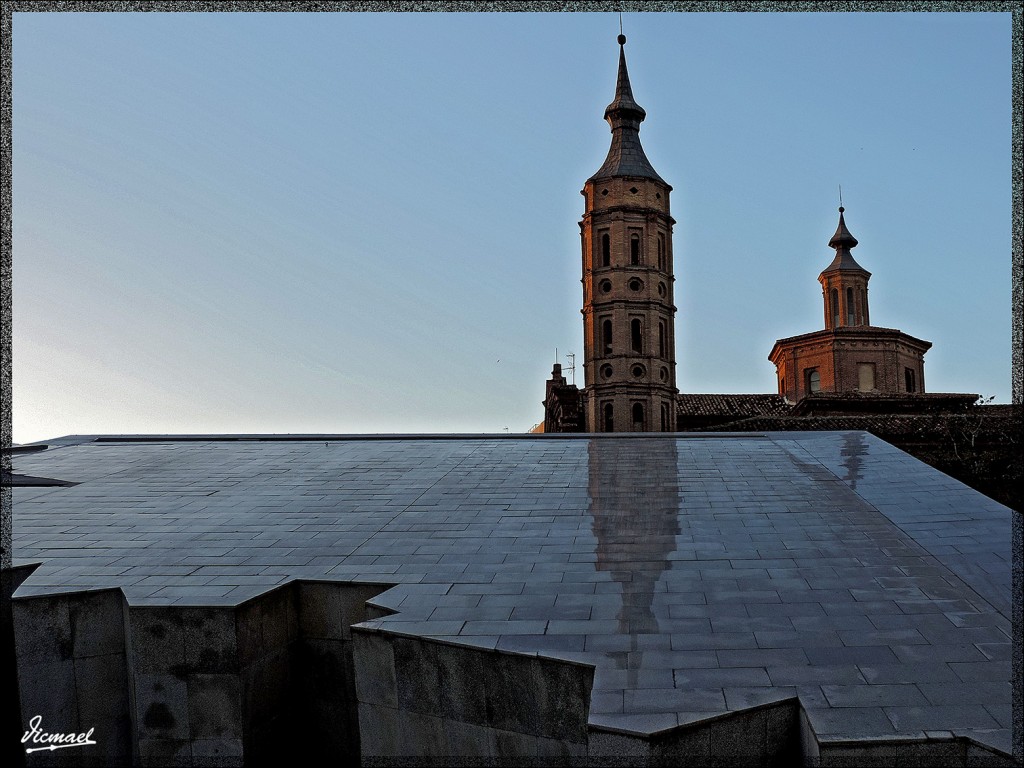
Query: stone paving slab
(699,575)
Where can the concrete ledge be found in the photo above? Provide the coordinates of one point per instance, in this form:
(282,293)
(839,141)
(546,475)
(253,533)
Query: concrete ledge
(421,698)
(194,685)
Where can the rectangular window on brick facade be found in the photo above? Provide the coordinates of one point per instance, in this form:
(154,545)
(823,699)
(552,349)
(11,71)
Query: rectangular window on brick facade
(865,377)
(910,379)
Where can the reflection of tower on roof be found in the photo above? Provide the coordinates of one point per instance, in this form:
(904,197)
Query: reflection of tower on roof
(633,496)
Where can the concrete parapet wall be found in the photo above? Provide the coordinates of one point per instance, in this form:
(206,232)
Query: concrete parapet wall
(73,674)
(260,683)
(420,698)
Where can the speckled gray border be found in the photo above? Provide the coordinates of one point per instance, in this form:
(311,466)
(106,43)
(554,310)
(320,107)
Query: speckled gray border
(632,6)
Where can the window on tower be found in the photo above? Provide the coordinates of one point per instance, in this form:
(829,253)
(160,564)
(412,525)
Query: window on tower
(638,417)
(851,318)
(662,346)
(634,249)
(661,252)
(910,379)
(606,250)
(606,336)
(636,335)
(835,307)
(609,418)
(813,380)
(865,376)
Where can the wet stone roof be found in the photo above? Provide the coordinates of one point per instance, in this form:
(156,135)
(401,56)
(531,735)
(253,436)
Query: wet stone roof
(699,574)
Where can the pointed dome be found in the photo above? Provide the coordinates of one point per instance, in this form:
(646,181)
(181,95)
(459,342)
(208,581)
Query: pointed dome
(843,241)
(625,156)
(623,101)
(842,238)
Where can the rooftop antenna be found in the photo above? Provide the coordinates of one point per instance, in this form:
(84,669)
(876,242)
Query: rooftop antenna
(840,195)
(571,357)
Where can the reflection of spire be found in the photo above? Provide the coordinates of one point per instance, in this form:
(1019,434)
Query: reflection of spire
(625,156)
(853,448)
(842,241)
(634,501)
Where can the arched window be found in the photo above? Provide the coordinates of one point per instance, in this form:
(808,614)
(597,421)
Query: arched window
(636,337)
(638,417)
(609,418)
(851,318)
(835,308)
(664,418)
(661,339)
(910,380)
(864,319)
(606,336)
(813,380)
(661,252)
(634,249)
(606,250)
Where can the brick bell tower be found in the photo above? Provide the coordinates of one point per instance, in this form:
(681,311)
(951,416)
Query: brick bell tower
(628,314)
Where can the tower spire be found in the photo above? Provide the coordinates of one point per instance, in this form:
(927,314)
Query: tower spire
(844,283)
(624,106)
(625,156)
(842,241)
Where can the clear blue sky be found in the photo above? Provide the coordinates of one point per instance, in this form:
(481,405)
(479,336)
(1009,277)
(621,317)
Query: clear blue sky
(368,222)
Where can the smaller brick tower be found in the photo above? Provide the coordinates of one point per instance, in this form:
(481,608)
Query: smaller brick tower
(850,355)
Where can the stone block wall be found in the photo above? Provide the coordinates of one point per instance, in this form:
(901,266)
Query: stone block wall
(766,736)
(420,698)
(266,682)
(73,674)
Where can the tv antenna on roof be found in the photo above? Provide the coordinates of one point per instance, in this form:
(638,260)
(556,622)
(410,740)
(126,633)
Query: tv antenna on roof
(571,357)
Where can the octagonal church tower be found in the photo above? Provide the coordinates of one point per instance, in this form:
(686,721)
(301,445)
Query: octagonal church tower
(628,311)
(850,354)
